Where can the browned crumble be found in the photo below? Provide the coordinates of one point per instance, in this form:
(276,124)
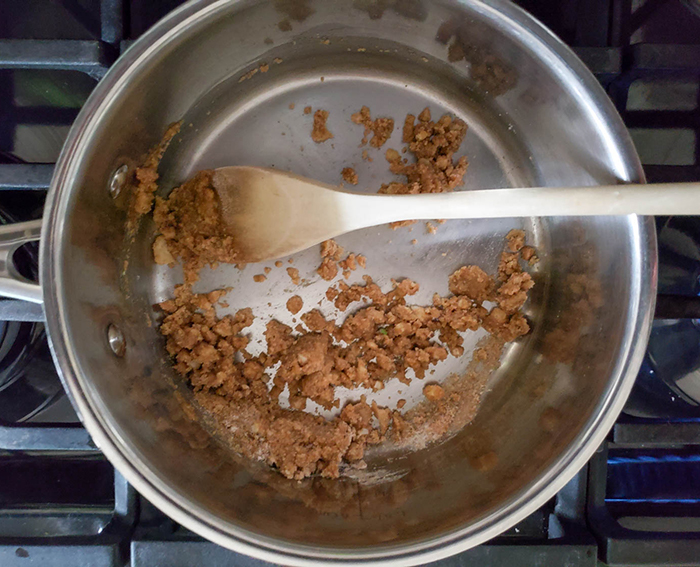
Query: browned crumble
(433,144)
(382,339)
(399,224)
(331,254)
(349,175)
(320,132)
(490,72)
(249,75)
(455,52)
(278,264)
(308,110)
(294,304)
(259,278)
(294,275)
(145,182)
(430,228)
(433,392)
(190,226)
(291,106)
(380,128)
(528,254)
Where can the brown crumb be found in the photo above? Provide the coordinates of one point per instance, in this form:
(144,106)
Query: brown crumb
(145,178)
(259,278)
(277,60)
(515,239)
(294,304)
(294,275)
(446,30)
(528,254)
(381,128)
(331,249)
(391,155)
(433,392)
(401,403)
(268,41)
(161,254)
(285,25)
(433,145)
(248,75)
(430,228)
(264,68)
(320,132)
(291,106)
(349,175)
(331,255)
(366,156)
(328,269)
(267,269)
(455,52)
(307,110)
(399,224)
(278,264)
(414,241)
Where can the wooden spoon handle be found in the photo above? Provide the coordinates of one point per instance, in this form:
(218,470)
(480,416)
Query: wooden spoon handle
(653,199)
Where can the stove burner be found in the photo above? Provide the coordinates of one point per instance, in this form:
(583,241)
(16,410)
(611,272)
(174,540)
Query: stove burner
(668,384)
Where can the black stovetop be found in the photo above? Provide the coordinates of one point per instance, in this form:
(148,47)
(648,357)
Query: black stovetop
(637,502)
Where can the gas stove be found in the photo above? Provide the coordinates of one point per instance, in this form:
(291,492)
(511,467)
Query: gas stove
(637,502)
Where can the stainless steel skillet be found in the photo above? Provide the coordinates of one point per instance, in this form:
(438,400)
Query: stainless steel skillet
(523,95)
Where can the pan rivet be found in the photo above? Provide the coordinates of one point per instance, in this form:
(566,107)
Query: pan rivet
(116,184)
(116,341)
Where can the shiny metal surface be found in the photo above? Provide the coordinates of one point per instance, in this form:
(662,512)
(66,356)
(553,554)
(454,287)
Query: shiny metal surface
(536,116)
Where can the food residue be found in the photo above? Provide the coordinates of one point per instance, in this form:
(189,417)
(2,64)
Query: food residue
(320,132)
(381,128)
(261,402)
(349,175)
(294,304)
(294,275)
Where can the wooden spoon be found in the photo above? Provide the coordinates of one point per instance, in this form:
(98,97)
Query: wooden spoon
(274,213)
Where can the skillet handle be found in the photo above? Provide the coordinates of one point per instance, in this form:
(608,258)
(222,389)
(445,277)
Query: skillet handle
(12,283)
